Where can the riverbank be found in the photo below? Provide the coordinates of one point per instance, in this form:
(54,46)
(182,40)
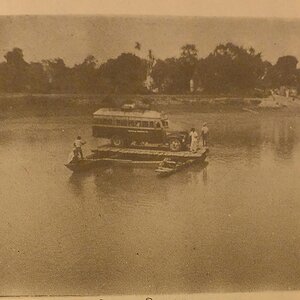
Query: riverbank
(74,104)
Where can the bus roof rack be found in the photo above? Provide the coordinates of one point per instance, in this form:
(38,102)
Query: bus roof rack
(128,106)
(113,112)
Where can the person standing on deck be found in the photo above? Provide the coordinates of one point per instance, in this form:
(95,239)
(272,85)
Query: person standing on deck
(77,144)
(204,134)
(194,140)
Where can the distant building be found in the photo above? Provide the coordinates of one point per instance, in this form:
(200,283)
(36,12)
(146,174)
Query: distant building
(149,82)
(192,85)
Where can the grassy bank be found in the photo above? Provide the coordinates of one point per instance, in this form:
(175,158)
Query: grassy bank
(70,104)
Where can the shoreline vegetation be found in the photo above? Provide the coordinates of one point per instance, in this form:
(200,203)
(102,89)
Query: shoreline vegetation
(229,69)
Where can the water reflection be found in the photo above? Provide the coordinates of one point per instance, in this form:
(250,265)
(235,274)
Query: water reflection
(282,135)
(76,182)
(195,175)
(205,176)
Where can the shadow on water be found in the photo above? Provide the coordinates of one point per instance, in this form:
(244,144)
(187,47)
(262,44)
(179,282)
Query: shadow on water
(113,180)
(76,181)
(197,174)
(205,175)
(110,179)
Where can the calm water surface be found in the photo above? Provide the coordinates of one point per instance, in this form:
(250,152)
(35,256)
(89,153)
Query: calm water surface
(232,226)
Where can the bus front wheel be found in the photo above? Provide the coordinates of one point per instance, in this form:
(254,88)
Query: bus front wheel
(175,144)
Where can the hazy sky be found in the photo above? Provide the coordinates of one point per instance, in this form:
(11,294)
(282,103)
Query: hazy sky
(237,8)
(75,37)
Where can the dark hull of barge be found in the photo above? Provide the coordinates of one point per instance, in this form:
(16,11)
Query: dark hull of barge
(136,157)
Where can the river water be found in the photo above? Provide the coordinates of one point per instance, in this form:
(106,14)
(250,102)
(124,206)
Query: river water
(232,226)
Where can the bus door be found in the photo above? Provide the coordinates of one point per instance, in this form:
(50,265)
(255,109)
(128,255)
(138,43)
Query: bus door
(156,132)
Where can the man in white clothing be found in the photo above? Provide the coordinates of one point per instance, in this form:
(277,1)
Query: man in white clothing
(194,140)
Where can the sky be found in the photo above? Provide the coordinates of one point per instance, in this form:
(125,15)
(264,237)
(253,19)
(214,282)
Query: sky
(220,8)
(55,28)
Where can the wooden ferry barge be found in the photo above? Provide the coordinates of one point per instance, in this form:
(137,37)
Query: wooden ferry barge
(163,161)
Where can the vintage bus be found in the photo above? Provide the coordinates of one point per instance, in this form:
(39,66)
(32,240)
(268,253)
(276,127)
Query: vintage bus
(124,127)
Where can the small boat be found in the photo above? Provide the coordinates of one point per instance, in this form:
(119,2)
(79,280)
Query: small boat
(168,167)
(251,111)
(165,171)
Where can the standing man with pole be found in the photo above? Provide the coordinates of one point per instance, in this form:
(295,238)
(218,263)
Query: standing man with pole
(204,134)
(77,144)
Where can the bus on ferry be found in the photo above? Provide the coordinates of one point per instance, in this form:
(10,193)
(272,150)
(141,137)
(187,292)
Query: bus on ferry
(123,127)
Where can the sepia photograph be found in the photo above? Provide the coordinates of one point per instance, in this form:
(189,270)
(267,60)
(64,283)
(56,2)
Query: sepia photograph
(150,149)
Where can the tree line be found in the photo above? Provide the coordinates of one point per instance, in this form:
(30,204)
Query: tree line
(229,68)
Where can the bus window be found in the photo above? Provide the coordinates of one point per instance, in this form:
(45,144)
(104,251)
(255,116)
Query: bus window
(118,122)
(151,124)
(124,122)
(107,121)
(137,123)
(145,124)
(157,125)
(131,123)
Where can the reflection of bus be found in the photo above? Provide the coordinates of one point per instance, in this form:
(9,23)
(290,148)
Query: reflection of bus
(124,127)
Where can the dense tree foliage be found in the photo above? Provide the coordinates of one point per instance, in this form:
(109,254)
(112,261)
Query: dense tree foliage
(125,74)
(228,68)
(284,72)
(15,71)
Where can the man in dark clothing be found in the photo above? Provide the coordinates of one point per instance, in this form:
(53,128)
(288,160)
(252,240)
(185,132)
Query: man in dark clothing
(204,134)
